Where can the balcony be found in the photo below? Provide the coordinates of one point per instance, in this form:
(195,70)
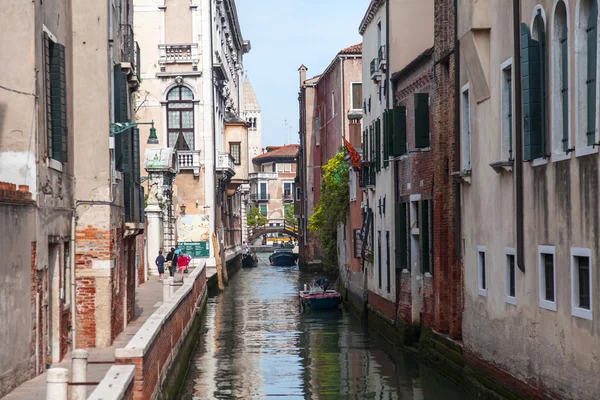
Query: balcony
(225,164)
(382,60)
(219,67)
(178,54)
(189,160)
(366,175)
(130,56)
(262,175)
(258,197)
(374,68)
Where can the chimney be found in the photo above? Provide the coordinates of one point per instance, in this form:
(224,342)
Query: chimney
(302,70)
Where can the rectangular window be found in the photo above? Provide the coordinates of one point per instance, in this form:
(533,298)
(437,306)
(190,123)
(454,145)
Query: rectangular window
(425,237)
(356,94)
(398,140)
(421,120)
(66,274)
(332,103)
(481,271)
(234,150)
(262,191)
(287,190)
(387,262)
(465,129)
(581,283)
(56,99)
(378,34)
(284,167)
(547,277)
(263,209)
(507,129)
(297,194)
(379,257)
(401,236)
(510,275)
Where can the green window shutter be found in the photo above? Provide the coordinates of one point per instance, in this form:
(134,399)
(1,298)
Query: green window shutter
(421,120)
(542,84)
(121,115)
(424,236)
(564,49)
(127,173)
(135,166)
(400,246)
(386,136)
(531,70)
(399,134)
(378,144)
(592,62)
(390,142)
(58,102)
(371,143)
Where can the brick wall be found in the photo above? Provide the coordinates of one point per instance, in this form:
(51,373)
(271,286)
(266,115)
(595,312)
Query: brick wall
(10,194)
(447,284)
(154,363)
(384,306)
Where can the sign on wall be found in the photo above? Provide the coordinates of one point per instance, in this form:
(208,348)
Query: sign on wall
(195,249)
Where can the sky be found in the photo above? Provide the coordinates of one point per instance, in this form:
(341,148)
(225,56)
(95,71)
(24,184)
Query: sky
(285,34)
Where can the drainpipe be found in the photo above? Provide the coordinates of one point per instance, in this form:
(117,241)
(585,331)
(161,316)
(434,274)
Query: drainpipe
(458,227)
(518,134)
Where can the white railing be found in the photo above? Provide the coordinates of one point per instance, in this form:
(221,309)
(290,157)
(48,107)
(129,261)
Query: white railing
(262,175)
(178,53)
(225,163)
(188,159)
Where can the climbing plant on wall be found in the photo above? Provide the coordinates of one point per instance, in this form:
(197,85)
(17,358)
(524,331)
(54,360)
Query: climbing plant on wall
(332,207)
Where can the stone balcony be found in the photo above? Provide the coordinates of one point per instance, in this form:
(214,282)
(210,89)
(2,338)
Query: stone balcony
(262,175)
(225,164)
(189,160)
(186,53)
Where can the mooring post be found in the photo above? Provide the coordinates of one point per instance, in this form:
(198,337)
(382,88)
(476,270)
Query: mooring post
(57,384)
(79,361)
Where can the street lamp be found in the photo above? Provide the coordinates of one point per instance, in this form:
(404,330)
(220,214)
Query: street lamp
(120,127)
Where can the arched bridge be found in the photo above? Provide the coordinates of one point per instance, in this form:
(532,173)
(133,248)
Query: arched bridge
(273,226)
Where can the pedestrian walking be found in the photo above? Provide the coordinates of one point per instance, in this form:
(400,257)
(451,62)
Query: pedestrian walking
(182,263)
(160,263)
(169,261)
(175,260)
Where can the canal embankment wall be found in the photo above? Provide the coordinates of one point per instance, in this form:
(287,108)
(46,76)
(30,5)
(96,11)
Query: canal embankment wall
(159,352)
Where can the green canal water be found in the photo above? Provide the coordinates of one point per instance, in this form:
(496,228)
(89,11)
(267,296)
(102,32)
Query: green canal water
(256,344)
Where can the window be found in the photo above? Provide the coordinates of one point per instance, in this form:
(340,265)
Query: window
(401,235)
(481,272)
(297,194)
(379,34)
(379,257)
(387,262)
(180,118)
(378,144)
(510,275)
(507,117)
(398,141)
(466,129)
(66,284)
(263,209)
(426,236)
(547,277)
(581,283)
(560,81)
(421,120)
(287,190)
(56,99)
(533,60)
(262,191)
(332,103)
(586,74)
(266,168)
(284,167)
(356,94)
(357,243)
(234,150)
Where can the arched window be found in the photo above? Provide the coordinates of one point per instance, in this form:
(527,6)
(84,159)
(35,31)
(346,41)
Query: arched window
(180,118)
(560,80)
(586,64)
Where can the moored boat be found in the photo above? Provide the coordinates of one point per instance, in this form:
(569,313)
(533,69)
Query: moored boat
(249,260)
(318,298)
(283,257)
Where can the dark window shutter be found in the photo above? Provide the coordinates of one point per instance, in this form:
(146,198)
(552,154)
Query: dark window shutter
(371,143)
(542,84)
(532,113)
(390,142)
(121,115)
(401,236)
(378,144)
(564,49)
(424,235)
(58,102)
(592,62)
(399,134)
(421,120)
(126,150)
(386,138)
(135,172)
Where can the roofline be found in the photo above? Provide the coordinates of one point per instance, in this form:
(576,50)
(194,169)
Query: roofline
(420,59)
(273,158)
(334,62)
(369,15)
(232,12)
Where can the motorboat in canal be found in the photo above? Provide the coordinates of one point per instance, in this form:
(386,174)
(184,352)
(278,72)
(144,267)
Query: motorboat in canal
(283,257)
(249,260)
(317,297)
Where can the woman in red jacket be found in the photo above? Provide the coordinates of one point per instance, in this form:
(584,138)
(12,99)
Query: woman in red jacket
(183,262)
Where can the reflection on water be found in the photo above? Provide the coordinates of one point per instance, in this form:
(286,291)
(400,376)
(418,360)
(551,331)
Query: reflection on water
(257,344)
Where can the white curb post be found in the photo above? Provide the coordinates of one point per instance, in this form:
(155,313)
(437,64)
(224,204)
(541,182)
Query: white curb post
(57,384)
(167,288)
(79,360)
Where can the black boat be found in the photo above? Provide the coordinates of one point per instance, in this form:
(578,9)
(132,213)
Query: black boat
(283,257)
(249,260)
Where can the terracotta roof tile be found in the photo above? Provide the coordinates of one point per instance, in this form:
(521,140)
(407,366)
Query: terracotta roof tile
(287,151)
(355,49)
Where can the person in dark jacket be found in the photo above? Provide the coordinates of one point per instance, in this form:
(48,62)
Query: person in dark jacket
(160,264)
(170,261)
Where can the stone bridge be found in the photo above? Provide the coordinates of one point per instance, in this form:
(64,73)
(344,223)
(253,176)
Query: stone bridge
(273,226)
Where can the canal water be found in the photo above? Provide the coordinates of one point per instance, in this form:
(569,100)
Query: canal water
(257,344)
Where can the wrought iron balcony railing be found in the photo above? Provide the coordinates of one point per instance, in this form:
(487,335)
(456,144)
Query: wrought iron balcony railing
(366,175)
(260,197)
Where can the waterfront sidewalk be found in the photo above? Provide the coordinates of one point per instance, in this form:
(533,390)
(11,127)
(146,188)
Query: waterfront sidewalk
(148,297)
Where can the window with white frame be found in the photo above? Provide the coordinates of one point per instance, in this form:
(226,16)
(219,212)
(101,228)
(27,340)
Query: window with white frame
(547,277)
(510,286)
(507,117)
(481,271)
(586,62)
(465,129)
(287,190)
(581,282)
(560,80)
(297,194)
(284,167)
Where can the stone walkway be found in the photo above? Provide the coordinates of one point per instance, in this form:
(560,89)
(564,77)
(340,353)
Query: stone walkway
(148,297)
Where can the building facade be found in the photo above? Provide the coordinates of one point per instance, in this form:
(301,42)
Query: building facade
(192,89)
(78,241)
(530,307)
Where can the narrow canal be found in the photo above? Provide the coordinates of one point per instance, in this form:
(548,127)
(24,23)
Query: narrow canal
(257,344)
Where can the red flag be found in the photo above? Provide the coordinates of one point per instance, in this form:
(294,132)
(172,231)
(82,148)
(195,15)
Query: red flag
(354,156)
